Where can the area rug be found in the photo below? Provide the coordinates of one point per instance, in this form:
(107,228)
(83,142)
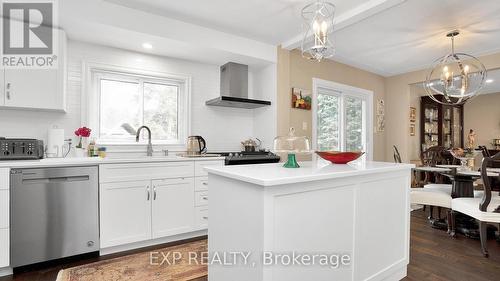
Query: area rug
(178,263)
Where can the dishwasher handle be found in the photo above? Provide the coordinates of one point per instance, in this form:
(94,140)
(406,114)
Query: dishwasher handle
(56,179)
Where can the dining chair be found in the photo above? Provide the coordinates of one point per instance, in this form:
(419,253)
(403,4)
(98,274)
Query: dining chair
(396,155)
(485,151)
(495,183)
(485,209)
(433,156)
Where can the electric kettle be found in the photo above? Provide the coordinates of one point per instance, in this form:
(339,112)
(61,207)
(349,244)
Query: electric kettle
(196,145)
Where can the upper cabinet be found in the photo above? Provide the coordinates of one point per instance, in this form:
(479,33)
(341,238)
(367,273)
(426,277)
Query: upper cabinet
(43,89)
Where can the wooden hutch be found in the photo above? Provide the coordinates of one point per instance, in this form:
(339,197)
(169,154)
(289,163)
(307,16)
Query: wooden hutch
(441,125)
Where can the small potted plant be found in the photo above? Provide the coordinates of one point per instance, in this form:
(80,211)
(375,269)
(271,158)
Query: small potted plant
(82,132)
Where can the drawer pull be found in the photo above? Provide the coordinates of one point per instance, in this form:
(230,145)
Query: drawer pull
(205,218)
(204,183)
(204,197)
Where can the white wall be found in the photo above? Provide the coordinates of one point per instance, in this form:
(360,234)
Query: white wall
(265,118)
(223,128)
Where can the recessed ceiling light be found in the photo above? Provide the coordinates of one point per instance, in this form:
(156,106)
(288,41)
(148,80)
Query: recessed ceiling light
(147,46)
(489,81)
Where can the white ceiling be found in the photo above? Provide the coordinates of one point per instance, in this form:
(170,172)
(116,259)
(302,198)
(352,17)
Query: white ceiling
(411,36)
(387,37)
(269,21)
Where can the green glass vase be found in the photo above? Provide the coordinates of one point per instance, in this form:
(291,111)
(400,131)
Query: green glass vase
(292,162)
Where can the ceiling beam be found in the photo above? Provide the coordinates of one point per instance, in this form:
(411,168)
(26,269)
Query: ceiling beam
(109,16)
(350,17)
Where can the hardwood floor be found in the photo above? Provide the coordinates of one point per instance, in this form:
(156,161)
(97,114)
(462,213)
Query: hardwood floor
(433,256)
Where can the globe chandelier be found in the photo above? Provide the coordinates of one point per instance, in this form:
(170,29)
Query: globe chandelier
(318,22)
(456,77)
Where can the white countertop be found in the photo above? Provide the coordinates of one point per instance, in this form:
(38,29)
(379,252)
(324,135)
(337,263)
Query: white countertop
(90,161)
(276,174)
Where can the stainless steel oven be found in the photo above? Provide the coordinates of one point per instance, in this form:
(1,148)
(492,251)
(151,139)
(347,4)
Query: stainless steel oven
(54,213)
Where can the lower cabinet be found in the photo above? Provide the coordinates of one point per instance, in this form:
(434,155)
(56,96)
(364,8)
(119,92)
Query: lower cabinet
(140,202)
(141,210)
(202,217)
(125,212)
(4,218)
(4,247)
(172,208)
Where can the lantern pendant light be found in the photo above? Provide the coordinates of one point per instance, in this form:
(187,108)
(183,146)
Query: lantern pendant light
(318,22)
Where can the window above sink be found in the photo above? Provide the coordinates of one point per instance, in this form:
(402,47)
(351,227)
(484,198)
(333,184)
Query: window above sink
(121,100)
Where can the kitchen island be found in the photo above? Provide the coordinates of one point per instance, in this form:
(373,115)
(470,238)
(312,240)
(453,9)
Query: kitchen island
(318,222)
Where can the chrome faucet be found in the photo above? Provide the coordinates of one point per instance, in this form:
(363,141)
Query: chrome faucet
(150,146)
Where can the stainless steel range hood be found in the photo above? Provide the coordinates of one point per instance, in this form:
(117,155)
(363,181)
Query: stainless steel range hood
(234,88)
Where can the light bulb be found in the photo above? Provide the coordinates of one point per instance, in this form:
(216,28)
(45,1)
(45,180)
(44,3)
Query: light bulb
(324,27)
(466,69)
(315,27)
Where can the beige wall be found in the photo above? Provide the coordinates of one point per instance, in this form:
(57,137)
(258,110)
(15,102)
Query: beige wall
(295,71)
(482,114)
(416,94)
(397,96)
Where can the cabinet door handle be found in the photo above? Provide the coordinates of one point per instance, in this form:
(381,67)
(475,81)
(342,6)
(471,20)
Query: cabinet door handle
(154,192)
(204,183)
(205,218)
(148,193)
(8,91)
(204,197)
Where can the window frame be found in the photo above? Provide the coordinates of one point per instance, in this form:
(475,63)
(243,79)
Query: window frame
(342,91)
(91,115)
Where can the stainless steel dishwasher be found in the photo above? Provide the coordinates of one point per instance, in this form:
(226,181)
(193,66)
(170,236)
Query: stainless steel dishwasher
(54,213)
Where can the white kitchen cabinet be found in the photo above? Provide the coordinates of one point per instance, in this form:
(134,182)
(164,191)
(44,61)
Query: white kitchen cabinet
(4,208)
(4,178)
(172,209)
(145,171)
(201,214)
(125,212)
(4,217)
(201,198)
(199,167)
(201,183)
(2,87)
(4,248)
(37,88)
(146,201)
(32,89)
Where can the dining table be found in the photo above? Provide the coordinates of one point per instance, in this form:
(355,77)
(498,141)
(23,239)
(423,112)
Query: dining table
(462,186)
(462,179)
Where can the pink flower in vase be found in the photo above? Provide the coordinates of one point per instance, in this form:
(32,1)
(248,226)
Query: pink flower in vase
(82,132)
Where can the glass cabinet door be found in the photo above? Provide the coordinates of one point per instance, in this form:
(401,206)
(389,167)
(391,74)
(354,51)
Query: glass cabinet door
(431,127)
(457,130)
(447,127)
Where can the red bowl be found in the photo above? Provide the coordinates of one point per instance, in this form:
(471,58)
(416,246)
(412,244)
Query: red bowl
(338,157)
